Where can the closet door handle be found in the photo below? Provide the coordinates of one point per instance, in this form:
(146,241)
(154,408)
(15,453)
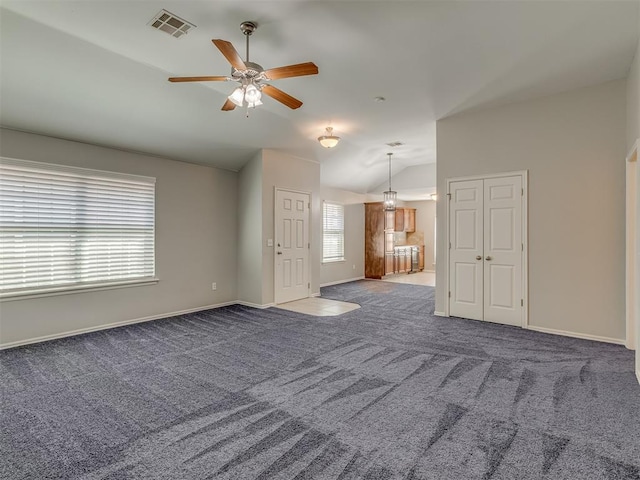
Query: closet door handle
(479,257)
(488,258)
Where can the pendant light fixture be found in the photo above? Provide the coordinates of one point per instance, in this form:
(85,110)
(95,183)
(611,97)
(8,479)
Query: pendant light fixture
(390,196)
(328,140)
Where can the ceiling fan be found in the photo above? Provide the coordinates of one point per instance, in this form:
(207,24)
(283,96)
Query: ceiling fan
(252,77)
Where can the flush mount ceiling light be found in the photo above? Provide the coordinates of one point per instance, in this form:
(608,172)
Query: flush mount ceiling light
(390,196)
(329,140)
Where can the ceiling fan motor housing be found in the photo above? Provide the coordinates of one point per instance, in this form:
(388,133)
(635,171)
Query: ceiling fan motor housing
(253,72)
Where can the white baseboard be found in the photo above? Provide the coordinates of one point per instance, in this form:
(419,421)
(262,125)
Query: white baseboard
(254,305)
(439,314)
(338,282)
(80,331)
(315,294)
(638,375)
(583,336)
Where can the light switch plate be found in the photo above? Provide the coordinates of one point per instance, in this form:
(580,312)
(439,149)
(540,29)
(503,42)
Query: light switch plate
(270,242)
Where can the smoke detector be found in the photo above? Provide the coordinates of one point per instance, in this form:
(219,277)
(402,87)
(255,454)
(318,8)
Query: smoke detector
(171,24)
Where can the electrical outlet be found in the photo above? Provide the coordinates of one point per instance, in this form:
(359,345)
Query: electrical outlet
(214,286)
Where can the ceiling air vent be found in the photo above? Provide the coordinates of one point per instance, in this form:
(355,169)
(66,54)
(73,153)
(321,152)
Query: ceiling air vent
(171,24)
(395,144)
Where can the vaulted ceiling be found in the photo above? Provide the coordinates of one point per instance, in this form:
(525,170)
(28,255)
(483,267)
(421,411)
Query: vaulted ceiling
(95,71)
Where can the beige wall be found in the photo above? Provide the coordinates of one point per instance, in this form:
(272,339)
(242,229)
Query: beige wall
(633,134)
(571,144)
(249,237)
(293,173)
(353,265)
(633,101)
(425,222)
(195,242)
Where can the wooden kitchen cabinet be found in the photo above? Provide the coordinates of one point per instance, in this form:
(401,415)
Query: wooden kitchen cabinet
(374,239)
(409,220)
(389,263)
(405,220)
(399,220)
(378,240)
(389,220)
(421,260)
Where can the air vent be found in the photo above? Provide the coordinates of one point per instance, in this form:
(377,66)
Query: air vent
(171,24)
(395,144)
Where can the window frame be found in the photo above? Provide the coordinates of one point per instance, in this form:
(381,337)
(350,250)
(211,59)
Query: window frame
(336,259)
(101,284)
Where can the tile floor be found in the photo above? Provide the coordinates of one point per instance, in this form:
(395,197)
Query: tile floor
(319,307)
(420,278)
(323,307)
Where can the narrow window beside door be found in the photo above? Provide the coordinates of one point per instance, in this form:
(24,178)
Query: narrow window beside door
(65,228)
(332,232)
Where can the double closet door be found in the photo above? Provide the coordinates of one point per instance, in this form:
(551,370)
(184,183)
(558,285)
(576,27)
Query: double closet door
(486,249)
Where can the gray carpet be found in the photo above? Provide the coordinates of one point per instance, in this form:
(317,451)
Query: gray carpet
(384,392)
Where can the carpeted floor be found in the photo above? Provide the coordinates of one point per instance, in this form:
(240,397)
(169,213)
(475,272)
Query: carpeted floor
(384,392)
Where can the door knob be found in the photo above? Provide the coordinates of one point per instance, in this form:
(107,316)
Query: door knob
(488,257)
(279,253)
(479,257)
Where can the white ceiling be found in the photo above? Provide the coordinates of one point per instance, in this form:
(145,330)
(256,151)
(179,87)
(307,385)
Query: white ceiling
(94,71)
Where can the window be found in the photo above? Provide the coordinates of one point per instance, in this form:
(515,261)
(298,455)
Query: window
(332,232)
(65,228)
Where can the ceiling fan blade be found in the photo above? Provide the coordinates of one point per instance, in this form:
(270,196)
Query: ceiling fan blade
(298,70)
(282,97)
(199,79)
(230,53)
(228,105)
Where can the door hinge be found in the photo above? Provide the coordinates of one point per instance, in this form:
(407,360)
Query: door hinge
(522,247)
(449,294)
(308,285)
(522,302)
(309,205)
(449,195)
(522,192)
(308,245)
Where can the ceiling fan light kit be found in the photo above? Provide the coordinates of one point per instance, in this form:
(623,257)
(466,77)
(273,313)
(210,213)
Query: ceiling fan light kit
(329,140)
(252,77)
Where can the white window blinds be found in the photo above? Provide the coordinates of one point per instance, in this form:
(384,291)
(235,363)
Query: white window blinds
(332,232)
(67,228)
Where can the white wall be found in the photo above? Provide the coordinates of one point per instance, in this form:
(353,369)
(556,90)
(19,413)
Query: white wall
(572,145)
(195,242)
(425,222)
(336,272)
(293,173)
(416,178)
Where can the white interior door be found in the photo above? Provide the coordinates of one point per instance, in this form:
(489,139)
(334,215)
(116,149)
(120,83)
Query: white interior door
(291,246)
(486,249)
(503,249)
(466,249)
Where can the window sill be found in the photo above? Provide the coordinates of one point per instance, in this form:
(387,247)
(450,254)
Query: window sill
(338,260)
(66,290)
